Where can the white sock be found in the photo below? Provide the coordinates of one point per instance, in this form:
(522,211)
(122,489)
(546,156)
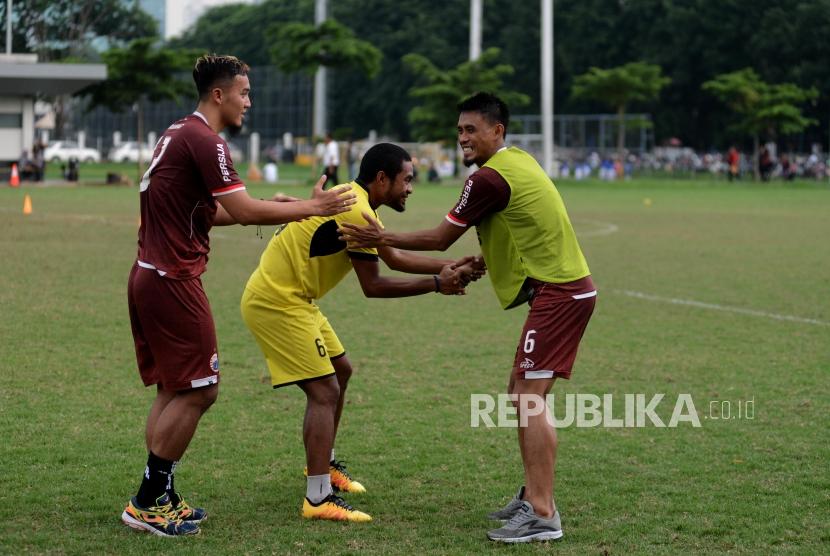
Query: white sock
(332,455)
(317,488)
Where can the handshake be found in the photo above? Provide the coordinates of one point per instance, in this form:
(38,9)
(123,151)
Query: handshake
(454,277)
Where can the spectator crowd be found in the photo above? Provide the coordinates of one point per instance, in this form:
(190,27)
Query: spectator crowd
(677,161)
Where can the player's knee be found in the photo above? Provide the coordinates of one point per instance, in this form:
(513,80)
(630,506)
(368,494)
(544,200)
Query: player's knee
(206,397)
(529,393)
(323,392)
(344,372)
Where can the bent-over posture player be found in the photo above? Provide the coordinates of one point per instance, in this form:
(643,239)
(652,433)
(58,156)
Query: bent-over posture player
(302,263)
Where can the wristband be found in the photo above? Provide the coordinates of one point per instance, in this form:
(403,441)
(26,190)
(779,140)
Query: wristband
(437,283)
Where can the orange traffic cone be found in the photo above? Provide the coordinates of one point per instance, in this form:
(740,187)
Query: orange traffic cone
(15,179)
(254,174)
(27,205)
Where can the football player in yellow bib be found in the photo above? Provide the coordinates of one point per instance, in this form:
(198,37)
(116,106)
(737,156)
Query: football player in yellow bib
(304,261)
(533,256)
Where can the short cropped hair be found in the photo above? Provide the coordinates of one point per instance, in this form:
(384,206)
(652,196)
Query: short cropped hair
(212,70)
(386,157)
(488,105)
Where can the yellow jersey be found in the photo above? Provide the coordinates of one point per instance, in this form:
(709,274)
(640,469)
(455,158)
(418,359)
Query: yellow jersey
(306,259)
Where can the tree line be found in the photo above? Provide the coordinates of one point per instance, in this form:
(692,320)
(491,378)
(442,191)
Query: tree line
(692,41)
(420,42)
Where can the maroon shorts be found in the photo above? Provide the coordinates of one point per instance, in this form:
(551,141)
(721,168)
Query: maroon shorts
(175,339)
(550,338)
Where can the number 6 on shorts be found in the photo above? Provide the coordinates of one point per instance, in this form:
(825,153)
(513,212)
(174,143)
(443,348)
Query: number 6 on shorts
(530,343)
(321,349)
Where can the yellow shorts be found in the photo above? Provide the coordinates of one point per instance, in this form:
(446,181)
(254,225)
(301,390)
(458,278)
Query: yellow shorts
(296,338)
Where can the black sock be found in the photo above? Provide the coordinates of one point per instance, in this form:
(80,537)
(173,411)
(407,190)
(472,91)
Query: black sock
(157,477)
(171,487)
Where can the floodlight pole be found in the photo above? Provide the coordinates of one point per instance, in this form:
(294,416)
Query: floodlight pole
(319,123)
(475,29)
(8,26)
(547,87)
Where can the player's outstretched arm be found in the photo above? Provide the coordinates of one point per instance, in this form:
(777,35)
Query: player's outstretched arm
(413,263)
(243,209)
(469,268)
(373,235)
(283,198)
(223,218)
(373,284)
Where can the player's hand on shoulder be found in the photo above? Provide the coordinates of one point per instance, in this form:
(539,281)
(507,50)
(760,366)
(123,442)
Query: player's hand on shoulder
(334,201)
(450,281)
(357,237)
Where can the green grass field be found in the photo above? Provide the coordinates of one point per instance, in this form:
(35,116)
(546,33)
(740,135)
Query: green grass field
(716,291)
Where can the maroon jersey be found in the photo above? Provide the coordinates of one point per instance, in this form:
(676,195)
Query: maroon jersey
(484,193)
(191,167)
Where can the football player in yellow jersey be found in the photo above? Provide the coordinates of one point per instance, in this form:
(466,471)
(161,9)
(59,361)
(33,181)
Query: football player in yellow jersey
(303,261)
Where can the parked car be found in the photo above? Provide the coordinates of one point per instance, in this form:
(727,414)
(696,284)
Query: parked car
(128,152)
(62,151)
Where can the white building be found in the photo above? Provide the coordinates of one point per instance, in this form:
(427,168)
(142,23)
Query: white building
(21,78)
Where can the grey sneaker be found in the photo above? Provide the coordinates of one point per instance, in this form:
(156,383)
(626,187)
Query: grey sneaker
(526,526)
(510,509)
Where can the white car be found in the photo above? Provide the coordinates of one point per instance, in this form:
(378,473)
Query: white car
(62,151)
(128,152)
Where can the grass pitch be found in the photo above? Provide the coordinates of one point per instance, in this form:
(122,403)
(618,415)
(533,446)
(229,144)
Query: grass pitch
(715,291)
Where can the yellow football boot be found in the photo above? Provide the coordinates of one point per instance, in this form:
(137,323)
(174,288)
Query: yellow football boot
(333,508)
(341,481)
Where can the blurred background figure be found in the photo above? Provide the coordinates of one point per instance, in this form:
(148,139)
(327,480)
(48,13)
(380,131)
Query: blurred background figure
(765,164)
(331,160)
(39,159)
(26,167)
(788,169)
(733,161)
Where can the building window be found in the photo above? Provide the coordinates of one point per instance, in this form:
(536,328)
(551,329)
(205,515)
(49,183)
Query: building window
(11,120)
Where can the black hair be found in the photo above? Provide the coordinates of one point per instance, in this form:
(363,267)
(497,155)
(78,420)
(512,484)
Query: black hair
(488,105)
(212,70)
(386,157)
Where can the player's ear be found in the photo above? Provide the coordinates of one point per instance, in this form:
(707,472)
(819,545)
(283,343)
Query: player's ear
(216,94)
(499,129)
(380,177)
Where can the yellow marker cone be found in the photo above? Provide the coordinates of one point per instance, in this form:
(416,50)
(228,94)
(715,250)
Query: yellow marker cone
(27,205)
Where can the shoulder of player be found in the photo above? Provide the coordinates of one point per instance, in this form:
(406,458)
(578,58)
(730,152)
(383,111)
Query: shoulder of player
(355,214)
(204,140)
(194,126)
(486,177)
(191,130)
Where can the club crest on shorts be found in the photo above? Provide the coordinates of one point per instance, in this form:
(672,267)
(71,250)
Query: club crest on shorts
(214,363)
